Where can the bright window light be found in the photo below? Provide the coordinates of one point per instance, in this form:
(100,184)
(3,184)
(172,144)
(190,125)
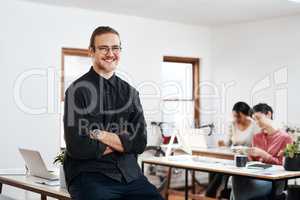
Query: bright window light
(297,1)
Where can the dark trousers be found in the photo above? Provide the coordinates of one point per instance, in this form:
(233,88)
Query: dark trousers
(215,182)
(95,186)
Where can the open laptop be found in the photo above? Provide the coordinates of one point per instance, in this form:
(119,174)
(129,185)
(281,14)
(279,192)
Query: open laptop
(36,164)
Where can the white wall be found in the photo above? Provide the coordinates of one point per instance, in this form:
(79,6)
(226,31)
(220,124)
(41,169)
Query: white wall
(31,37)
(259,62)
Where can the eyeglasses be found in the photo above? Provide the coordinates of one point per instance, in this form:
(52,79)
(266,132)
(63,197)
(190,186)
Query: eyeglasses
(105,49)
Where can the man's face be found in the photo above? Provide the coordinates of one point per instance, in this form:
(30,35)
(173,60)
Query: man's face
(106,55)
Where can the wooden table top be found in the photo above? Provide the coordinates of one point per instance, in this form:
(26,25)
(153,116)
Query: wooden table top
(222,166)
(215,152)
(29,183)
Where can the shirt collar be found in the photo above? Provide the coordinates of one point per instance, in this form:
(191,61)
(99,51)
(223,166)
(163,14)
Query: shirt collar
(96,77)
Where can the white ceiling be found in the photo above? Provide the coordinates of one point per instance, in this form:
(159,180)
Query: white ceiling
(198,12)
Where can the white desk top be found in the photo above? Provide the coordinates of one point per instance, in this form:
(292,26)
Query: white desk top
(215,150)
(222,166)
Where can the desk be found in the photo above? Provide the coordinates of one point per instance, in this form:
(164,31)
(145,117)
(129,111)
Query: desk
(223,166)
(28,183)
(214,152)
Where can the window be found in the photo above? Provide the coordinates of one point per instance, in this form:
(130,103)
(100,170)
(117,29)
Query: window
(74,63)
(180,90)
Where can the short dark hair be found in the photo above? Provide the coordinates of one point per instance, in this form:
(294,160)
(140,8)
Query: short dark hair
(99,31)
(263,108)
(242,107)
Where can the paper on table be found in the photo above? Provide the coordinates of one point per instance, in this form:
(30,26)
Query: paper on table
(49,182)
(181,158)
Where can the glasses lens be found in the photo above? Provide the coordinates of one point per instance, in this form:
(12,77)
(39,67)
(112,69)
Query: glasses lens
(116,49)
(105,50)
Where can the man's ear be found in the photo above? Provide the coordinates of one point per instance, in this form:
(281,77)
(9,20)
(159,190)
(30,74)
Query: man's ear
(91,52)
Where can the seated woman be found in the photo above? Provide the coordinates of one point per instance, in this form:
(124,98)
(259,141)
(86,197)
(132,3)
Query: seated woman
(267,147)
(239,133)
(242,128)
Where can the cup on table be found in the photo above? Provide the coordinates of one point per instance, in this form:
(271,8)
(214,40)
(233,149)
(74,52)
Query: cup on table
(240,160)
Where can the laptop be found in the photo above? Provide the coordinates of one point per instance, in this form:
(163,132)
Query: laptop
(36,164)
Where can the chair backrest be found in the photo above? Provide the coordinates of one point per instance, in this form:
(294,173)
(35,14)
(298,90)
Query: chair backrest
(197,138)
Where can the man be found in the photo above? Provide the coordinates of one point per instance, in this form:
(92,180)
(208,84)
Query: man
(105,129)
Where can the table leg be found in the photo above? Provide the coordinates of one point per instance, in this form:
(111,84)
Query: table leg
(186,184)
(43,197)
(193,182)
(273,191)
(0,188)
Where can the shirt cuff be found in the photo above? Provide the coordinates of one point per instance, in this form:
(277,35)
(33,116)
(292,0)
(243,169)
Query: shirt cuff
(101,149)
(125,140)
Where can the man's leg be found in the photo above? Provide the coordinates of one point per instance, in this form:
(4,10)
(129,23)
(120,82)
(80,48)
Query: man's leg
(94,186)
(141,189)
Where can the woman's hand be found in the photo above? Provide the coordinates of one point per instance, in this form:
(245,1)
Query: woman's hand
(257,152)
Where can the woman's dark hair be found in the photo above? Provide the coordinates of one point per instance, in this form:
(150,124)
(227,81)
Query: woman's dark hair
(242,107)
(263,108)
(99,31)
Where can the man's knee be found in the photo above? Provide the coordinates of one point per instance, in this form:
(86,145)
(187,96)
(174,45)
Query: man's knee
(85,188)
(143,189)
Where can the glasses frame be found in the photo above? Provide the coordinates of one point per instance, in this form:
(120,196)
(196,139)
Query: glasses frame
(116,49)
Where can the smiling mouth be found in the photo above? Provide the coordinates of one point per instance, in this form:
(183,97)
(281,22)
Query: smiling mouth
(110,60)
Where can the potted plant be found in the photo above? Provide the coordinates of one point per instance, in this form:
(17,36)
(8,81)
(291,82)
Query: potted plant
(59,160)
(292,156)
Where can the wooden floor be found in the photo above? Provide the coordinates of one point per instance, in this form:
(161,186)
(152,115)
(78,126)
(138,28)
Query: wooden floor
(174,197)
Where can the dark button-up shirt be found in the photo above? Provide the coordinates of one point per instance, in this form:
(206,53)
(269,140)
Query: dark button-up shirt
(93,102)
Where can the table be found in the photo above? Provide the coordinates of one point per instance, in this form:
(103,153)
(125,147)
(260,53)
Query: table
(28,183)
(214,152)
(216,165)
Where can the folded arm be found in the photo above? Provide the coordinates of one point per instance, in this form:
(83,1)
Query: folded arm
(79,146)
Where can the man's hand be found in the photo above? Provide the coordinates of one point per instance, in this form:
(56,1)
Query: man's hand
(110,139)
(107,151)
(257,152)
(96,134)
